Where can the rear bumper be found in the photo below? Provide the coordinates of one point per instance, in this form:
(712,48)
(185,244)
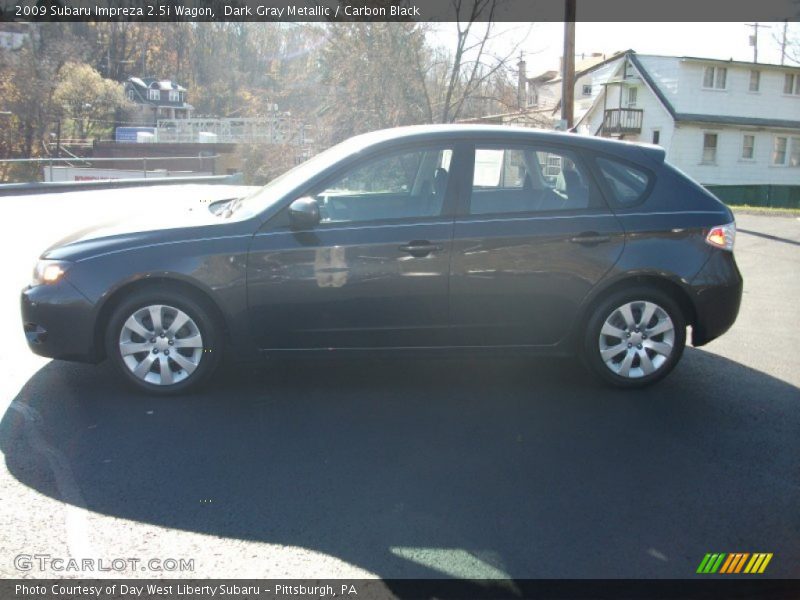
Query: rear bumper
(59,322)
(717,297)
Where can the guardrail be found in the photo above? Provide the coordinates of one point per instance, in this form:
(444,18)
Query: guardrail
(19,189)
(144,161)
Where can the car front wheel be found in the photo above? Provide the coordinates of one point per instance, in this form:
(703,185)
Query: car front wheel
(635,337)
(163,342)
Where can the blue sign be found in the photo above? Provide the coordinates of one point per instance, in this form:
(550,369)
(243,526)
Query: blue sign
(128,134)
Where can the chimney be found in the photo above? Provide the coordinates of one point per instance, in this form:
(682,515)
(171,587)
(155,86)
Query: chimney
(522,84)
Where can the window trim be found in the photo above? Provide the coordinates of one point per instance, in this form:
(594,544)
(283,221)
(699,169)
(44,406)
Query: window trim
(703,160)
(714,79)
(577,156)
(744,158)
(794,91)
(787,153)
(785,162)
(635,101)
(656,131)
(757,89)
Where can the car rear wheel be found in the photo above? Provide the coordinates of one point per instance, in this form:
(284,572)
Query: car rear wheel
(162,341)
(634,337)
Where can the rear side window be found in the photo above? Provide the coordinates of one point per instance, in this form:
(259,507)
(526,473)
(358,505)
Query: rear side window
(628,184)
(524,179)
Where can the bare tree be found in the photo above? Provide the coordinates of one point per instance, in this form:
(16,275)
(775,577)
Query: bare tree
(790,46)
(454,77)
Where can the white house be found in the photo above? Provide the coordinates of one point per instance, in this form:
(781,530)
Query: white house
(723,122)
(13,35)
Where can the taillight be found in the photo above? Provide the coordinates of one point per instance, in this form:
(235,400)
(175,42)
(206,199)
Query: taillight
(722,236)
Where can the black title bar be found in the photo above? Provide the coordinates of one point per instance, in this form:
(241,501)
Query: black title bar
(398,10)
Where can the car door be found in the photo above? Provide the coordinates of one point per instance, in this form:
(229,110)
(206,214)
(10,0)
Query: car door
(374,272)
(532,237)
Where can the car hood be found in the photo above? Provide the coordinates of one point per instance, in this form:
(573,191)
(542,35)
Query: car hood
(154,224)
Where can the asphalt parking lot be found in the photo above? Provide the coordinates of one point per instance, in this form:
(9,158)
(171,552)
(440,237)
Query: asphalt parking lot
(475,468)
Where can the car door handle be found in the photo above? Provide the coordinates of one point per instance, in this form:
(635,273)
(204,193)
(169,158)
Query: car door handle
(590,238)
(420,248)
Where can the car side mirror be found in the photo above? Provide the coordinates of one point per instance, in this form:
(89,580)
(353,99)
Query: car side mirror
(304,213)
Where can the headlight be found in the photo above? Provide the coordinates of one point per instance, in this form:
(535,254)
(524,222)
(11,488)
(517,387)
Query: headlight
(49,271)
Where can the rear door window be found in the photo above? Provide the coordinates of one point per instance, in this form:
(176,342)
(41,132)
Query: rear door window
(528,179)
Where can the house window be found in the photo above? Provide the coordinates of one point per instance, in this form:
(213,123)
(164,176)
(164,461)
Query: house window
(791,84)
(748,147)
(633,94)
(656,136)
(786,151)
(779,151)
(628,70)
(131,95)
(153,95)
(715,78)
(709,148)
(587,90)
(174,96)
(755,80)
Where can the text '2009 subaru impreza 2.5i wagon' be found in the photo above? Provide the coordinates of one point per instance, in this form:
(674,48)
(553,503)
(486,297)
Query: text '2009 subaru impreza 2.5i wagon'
(411,239)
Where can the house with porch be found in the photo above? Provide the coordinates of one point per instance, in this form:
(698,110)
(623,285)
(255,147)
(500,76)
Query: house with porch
(733,126)
(156,99)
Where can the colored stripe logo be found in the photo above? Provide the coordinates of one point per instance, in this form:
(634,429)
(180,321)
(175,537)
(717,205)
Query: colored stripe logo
(737,562)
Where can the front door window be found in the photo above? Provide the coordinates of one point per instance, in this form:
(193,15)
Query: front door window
(401,185)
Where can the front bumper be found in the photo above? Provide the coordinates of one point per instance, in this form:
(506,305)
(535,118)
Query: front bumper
(59,322)
(717,297)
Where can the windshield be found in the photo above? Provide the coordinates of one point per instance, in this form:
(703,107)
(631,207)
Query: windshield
(276,189)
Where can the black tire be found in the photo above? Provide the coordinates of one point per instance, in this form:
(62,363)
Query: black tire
(605,309)
(201,318)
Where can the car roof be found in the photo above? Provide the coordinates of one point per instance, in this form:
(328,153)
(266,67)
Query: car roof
(478,132)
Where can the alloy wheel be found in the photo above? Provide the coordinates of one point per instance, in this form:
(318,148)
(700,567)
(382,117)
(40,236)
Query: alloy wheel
(160,344)
(636,339)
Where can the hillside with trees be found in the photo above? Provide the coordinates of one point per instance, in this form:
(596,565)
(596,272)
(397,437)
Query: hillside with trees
(340,79)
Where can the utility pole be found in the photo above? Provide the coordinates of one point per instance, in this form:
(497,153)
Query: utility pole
(58,137)
(568,74)
(754,39)
(522,83)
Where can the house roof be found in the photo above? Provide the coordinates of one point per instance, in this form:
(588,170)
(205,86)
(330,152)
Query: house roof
(586,66)
(158,84)
(651,83)
(730,61)
(745,121)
